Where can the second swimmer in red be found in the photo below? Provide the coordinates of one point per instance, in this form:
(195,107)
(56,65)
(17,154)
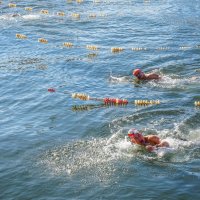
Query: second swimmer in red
(139,74)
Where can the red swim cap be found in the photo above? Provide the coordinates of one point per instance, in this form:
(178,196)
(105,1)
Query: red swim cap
(136,137)
(132,132)
(136,72)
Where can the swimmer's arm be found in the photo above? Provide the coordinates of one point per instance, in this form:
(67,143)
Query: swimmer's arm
(151,148)
(152,139)
(153,76)
(163,144)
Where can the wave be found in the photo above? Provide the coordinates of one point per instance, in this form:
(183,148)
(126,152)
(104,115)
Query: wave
(17,16)
(105,159)
(95,158)
(31,16)
(122,79)
(170,82)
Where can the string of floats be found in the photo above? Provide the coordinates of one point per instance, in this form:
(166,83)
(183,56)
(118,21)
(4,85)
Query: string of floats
(113,49)
(113,101)
(92,15)
(93,47)
(117,101)
(79,2)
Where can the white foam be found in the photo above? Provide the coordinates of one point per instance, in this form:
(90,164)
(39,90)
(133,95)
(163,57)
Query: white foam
(194,135)
(122,79)
(31,16)
(162,151)
(169,82)
(9,17)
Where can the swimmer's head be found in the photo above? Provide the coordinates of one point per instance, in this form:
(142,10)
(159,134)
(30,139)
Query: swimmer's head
(138,73)
(136,137)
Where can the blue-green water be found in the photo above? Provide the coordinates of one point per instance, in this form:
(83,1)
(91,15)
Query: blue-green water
(50,149)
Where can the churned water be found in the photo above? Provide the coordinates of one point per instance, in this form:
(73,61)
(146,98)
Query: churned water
(55,147)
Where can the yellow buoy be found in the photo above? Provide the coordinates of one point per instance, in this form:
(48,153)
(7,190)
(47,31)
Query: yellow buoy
(42,40)
(68,44)
(197,103)
(116,49)
(28,8)
(79,1)
(92,47)
(81,96)
(45,12)
(96,1)
(138,49)
(146,102)
(21,36)
(76,15)
(60,13)
(12,5)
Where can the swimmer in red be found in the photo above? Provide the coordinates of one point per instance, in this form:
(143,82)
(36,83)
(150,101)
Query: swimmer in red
(142,76)
(150,142)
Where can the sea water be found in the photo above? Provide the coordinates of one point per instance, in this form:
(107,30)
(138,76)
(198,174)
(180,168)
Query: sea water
(55,147)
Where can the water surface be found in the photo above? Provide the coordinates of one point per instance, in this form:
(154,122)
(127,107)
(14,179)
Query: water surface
(56,147)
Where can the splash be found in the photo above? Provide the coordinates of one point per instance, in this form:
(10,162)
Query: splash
(10,17)
(91,159)
(16,16)
(184,141)
(122,79)
(31,16)
(184,147)
(106,159)
(169,82)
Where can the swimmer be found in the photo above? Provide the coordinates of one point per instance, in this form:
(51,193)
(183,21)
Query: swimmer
(142,76)
(150,142)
